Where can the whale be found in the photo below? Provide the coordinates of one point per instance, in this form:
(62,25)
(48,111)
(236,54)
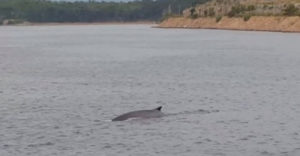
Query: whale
(152,113)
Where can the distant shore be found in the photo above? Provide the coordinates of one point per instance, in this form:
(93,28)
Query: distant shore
(256,23)
(79,23)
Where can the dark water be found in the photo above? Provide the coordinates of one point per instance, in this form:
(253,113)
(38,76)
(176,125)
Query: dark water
(233,93)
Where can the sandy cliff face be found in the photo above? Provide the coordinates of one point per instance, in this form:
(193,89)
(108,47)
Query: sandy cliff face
(242,7)
(259,23)
(261,15)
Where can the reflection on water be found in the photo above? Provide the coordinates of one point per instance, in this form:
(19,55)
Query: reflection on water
(228,92)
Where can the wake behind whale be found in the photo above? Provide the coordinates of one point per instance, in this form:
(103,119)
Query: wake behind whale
(153,113)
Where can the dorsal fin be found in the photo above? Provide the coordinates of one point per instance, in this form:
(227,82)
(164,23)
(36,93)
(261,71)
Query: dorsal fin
(158,108)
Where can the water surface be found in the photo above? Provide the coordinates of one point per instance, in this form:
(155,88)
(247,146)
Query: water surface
(233,92)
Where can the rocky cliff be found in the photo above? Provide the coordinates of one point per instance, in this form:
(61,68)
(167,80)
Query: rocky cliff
(259,23)
(261,15)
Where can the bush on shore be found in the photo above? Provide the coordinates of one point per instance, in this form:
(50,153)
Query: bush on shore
(218,18)
(246,17)
(291,10)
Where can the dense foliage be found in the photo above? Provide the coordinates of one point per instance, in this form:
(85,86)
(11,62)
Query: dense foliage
(291,10)
(92,11)
(239,10)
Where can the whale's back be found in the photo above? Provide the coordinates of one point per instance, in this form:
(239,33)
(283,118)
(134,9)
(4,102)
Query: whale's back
(140,114)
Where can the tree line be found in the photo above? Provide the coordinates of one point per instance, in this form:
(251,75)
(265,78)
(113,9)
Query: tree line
(91,11)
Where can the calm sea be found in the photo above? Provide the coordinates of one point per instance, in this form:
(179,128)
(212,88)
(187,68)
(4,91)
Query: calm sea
(231,93)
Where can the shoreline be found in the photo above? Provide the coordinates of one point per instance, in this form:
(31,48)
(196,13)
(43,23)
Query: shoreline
(158,27)
(255,23)
(81,23)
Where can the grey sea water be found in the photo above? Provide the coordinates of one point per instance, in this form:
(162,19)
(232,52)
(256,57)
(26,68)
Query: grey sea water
(232,93)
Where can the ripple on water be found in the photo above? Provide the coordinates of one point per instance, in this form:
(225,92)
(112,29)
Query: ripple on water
(58,96)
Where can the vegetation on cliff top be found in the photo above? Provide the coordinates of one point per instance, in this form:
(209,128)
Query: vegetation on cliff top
(244,8)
